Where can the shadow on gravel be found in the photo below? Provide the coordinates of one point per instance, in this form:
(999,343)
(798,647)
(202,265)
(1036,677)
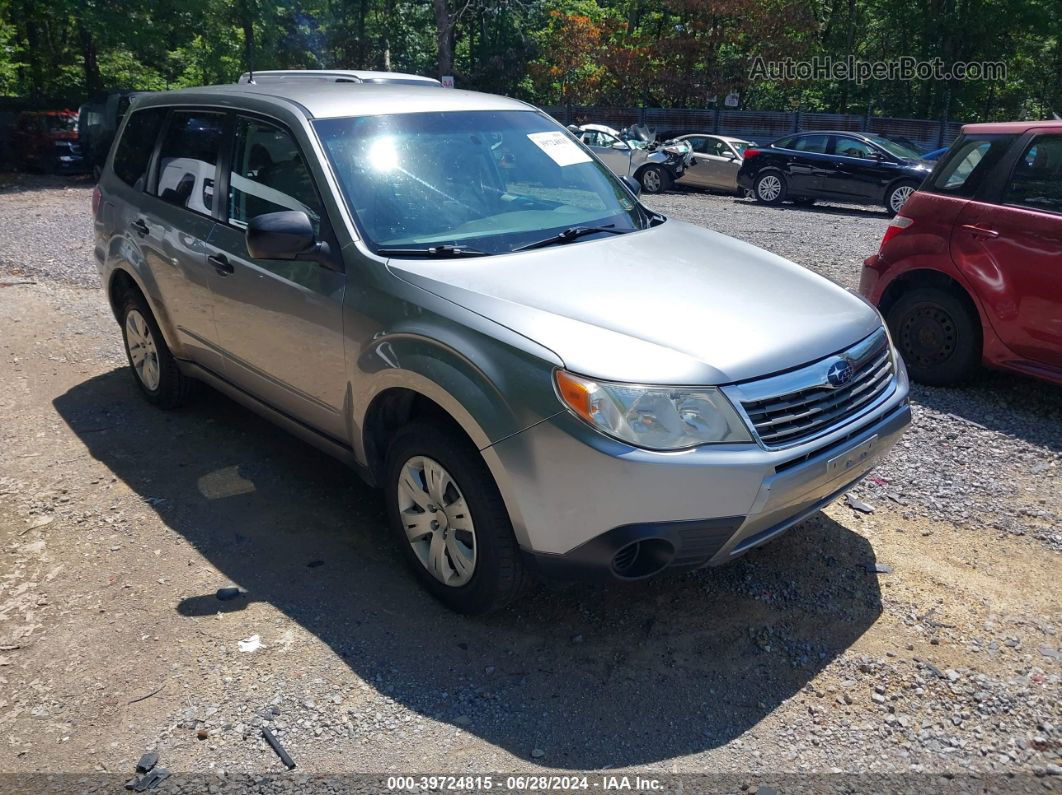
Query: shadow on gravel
(1012,404)
(595,677)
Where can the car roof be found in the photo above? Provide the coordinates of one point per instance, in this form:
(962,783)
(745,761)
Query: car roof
(321,99)
(1011,126)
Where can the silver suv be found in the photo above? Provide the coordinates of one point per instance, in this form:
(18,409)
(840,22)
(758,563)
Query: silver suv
(448,291)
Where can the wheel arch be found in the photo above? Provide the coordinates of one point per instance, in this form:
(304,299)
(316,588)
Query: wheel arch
(122,278)
(927,277)
(443,385)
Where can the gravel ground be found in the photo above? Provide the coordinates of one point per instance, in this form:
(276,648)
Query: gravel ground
(119,523)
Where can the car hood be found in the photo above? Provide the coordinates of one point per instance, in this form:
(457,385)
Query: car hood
(674,304)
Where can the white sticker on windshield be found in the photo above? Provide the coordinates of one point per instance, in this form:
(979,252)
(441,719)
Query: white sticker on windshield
(561,149)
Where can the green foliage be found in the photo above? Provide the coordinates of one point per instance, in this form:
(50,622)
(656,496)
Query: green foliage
(680,53)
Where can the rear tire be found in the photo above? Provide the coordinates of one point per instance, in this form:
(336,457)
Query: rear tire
(654,179)
(469,510)
(770,188)
(150,360)
(938,335)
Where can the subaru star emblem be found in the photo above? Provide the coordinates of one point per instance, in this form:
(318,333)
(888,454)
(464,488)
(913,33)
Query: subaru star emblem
(840,373)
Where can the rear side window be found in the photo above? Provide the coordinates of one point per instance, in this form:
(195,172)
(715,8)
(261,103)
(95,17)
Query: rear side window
(269,175)
(810,143)
(188,158)
(1037,178)
(138,141)
(964,167)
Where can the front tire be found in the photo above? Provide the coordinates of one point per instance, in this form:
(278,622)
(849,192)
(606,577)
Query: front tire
(938,335)
(449,519)
(770,188)
(154,368)
(654,179)
(898,194)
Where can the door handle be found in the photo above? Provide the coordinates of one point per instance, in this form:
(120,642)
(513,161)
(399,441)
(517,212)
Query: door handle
(140,227)
(221,264)
(980,231)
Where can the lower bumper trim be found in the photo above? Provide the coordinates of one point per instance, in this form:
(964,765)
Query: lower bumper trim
(638,551)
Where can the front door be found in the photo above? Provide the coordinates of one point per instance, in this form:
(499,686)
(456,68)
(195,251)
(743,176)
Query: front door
(280,323)
(614,153)
(1014,247)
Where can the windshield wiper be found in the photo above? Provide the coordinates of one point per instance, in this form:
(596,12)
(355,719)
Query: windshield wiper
(445,250)
(573,233)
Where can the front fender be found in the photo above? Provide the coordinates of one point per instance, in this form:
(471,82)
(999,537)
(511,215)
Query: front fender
(493,401)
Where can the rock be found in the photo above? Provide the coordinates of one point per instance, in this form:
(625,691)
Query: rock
(537,753)
(857,504)
(878,568)
(147,761)
(228,592)
(1053,654)
(878,698)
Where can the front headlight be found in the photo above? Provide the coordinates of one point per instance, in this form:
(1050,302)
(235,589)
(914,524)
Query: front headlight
(653,417)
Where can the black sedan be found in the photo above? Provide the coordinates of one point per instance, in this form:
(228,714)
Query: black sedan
(854,168)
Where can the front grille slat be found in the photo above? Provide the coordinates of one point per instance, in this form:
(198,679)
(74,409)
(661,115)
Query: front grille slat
(762,406)
(810,406)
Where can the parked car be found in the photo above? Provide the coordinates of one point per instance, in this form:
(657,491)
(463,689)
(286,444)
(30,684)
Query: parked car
(715,161)
(970,271)
(47,141)
(97,125)
(655,166)
(447,291)
(854,168)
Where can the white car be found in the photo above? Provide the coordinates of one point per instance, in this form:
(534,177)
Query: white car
(715,162)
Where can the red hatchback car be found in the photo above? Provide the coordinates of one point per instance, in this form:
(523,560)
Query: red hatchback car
(970,270)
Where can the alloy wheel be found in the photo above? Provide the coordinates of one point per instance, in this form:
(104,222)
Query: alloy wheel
(437,521)
(769,188)
(143,353)
(899,197)
(651,180)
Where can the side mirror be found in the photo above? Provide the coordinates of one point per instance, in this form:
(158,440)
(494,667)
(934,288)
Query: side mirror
(620,145)
(285,235)
(633,185)
(729,155)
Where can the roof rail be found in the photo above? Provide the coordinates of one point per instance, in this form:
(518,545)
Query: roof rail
(337,76)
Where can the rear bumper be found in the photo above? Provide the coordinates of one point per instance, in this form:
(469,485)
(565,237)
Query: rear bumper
(578,498)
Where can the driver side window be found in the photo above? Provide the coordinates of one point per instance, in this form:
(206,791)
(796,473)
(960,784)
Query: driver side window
(852,147)
(269,175)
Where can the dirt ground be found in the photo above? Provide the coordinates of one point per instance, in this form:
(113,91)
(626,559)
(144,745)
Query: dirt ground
(119,522)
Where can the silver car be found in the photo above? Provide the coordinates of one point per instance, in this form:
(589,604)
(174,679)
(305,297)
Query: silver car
(655,166)
(715,161)
(449,292)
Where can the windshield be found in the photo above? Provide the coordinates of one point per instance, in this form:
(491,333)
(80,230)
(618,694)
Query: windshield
(894,148)
(489,180)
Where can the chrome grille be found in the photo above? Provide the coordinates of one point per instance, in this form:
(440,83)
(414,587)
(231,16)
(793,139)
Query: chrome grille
(796,406)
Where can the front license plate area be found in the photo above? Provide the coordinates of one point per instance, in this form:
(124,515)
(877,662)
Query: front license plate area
(852,458)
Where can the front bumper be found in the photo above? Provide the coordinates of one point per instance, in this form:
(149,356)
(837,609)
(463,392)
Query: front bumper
(589,506)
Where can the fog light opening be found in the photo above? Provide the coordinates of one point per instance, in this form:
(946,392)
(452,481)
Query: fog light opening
(642,558)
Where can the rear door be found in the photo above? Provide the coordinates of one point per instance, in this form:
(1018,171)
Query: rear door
(808,163)
(1014,245)
(169,216)
(279,322)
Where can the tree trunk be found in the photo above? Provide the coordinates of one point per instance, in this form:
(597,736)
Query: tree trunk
(90,62)
(245,11)
(444,36)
